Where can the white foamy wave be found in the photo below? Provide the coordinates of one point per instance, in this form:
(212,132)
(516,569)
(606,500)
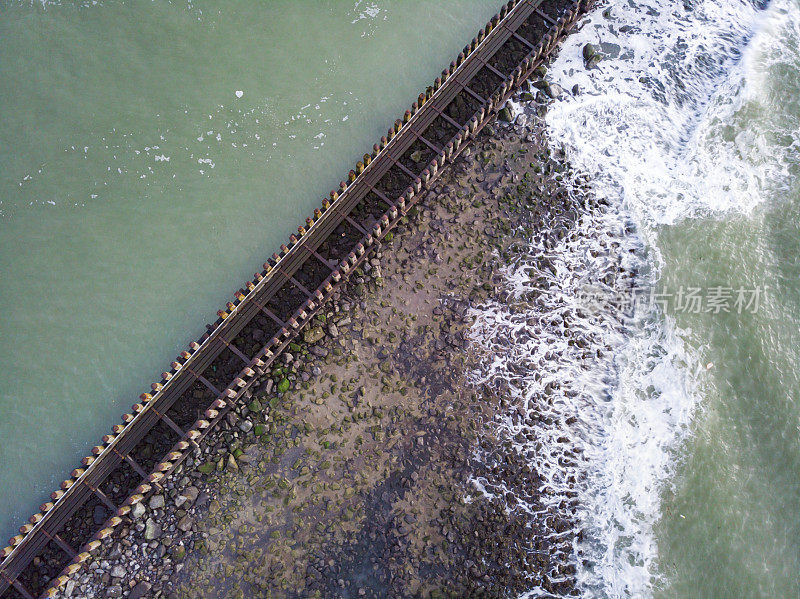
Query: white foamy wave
(674,123)
(630,457)
(660,123)
(661,127)
(596,399)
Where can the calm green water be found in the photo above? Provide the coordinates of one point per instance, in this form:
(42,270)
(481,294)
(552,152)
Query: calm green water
(138,191)
(692,125)
(730,523)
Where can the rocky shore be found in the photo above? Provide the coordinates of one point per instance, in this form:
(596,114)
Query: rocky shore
(355,469)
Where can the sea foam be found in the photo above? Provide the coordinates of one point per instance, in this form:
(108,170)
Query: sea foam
(652,127)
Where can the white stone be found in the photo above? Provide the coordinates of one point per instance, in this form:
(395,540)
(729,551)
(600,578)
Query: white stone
(118,572)
(138,510)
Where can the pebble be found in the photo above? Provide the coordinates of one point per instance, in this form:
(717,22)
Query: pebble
(118,571)
(138,510)
(185,524)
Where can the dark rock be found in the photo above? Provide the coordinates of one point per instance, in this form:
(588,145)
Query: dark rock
(591,56)
(318,351)
(139,591)
(505,115)
(99,514)
(186,524)
(202,499)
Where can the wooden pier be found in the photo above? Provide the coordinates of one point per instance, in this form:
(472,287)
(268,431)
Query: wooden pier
(169,421)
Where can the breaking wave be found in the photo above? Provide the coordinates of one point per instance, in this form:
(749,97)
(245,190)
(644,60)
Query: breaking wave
(603,388)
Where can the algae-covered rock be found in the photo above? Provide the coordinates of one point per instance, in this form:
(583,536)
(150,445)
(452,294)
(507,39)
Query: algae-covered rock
(313,335)
(283,386)
(591,56)
(178,552)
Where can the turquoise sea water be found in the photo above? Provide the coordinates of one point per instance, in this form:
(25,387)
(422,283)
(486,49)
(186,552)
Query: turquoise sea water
(152,155)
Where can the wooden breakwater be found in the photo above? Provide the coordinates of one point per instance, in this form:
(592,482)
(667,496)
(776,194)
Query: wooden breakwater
(216,371)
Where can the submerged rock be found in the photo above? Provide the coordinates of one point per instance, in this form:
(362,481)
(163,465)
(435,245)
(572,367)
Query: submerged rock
(554,91)
(232,465)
